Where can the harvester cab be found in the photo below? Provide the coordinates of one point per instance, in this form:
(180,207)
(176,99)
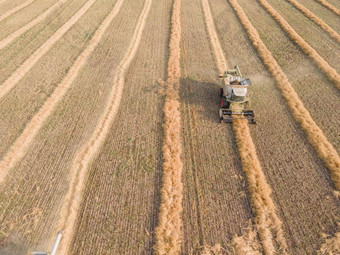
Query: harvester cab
(235,102)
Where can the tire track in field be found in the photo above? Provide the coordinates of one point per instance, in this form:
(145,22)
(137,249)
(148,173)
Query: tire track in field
(266,218)
(15,9)
(329,6)
(20,146)
(4,42)
(87,153)
(215,42)
(193,145)
(314,134)
(315,19)
(19,74)
(296,38)
(169,229)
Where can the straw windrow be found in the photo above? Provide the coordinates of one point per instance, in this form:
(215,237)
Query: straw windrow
(169,229)
(315,19)
(86,154)
(314,134)
(267,222)
(307,49)
(329,6)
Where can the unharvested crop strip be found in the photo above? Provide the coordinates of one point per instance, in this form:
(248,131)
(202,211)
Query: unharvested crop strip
(169,229)
(329,6)
(220,58)
(87,153)
(315,19)
(4,42)
(20,146)
(34,58)
(15,9)
(259,190)
(311,52)
(314,134)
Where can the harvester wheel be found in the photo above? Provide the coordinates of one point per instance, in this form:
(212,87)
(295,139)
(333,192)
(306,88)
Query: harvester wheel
(220,92)
(224,103)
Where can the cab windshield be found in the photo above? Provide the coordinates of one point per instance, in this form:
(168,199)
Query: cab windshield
(237,98)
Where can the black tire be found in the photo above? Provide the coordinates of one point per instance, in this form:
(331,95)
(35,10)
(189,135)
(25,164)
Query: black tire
(220,92)
(224,104)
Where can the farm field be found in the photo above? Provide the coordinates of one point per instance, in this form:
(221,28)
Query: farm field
(109,127)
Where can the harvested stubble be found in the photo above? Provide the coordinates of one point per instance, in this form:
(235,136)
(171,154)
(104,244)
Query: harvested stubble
(15,9)
(314,134)
(86,154)
(259,190)
(124,180)
(329,6)
(19,74)
(20,146)
(220,58)
(315,19)
(296,38)
(258,187)
(22,47)
(215,205)
(40,178)
(169,228)
(4,42)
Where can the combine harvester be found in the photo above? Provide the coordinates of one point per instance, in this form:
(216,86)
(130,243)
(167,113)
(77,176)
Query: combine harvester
(54,247)
(235,103)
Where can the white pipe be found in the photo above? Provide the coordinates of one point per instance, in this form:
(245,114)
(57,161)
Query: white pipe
(56,243)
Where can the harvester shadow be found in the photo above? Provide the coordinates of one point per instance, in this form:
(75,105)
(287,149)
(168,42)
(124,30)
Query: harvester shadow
(155,88)
(203,96)
(203,99)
